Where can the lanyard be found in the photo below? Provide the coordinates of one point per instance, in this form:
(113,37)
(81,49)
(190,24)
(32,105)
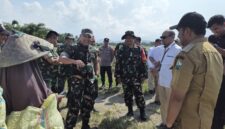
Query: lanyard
(164,55)
(166,52)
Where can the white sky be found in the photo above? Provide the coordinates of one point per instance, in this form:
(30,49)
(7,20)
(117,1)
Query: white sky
(107,18)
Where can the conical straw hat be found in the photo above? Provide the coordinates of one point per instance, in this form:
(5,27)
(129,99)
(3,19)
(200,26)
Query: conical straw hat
(21,48)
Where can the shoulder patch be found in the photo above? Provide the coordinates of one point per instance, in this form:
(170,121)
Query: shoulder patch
(179,63)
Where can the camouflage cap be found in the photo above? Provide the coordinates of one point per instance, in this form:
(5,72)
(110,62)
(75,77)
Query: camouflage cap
(69,36)
(87,31)
(19,48)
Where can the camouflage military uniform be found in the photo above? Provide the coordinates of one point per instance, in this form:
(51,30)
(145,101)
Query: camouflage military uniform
(131,72)
(49,71)
(119,45)
(94,52)
(63,72)
(81,85)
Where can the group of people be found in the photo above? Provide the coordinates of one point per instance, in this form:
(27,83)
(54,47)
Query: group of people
(189,78)
(186,78)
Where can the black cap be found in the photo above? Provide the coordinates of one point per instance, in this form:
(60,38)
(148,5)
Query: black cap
(106,39)
(3,30)
(192,20)
(128,33)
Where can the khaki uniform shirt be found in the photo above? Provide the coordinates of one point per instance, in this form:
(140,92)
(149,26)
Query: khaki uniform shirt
(198,69)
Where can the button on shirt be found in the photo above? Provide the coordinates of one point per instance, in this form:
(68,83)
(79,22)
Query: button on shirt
(165,73)
(197,71)
(106,55)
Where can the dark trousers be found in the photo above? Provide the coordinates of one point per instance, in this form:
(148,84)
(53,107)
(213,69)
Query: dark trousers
(219,112)
(58,84)
(131,89)
(107,69)
(81,97)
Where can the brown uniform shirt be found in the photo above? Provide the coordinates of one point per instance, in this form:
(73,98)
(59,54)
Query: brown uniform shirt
(198,69)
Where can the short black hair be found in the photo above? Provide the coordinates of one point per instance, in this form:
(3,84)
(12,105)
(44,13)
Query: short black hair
(138,39)
(157,40)
(51,33)
(216,19)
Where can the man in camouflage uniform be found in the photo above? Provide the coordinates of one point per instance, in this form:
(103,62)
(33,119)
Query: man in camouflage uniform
(48,69)
(95,52)
(118,46)
(81,83)
(131,72)
(63,70)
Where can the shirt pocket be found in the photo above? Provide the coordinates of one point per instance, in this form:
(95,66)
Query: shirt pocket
(168,59)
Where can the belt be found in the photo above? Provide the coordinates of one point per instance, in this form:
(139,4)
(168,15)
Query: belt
(76,76)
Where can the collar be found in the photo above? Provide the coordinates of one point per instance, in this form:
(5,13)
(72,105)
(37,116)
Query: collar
(193,43)
(172,44)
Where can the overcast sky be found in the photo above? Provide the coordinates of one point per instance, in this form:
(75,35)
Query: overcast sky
(107,18)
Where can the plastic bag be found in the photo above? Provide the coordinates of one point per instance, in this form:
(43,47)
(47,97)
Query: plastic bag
(2,111)
(46,117)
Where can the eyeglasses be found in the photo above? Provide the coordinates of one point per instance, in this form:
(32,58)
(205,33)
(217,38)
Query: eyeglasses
(164,37)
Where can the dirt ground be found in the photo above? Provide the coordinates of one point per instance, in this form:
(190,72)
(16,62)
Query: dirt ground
(112,112)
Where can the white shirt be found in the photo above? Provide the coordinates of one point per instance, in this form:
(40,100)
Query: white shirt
(165,73)
(157,53)
(150,65)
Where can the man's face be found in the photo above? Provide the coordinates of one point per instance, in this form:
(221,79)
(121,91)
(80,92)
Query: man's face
(53,39)
(129,40)
(68,41)
(85,39)
(106,43)
(182,35)
(92,40)
(3,38)
(137,42)
(157,43)
(167,38)
(217,29)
